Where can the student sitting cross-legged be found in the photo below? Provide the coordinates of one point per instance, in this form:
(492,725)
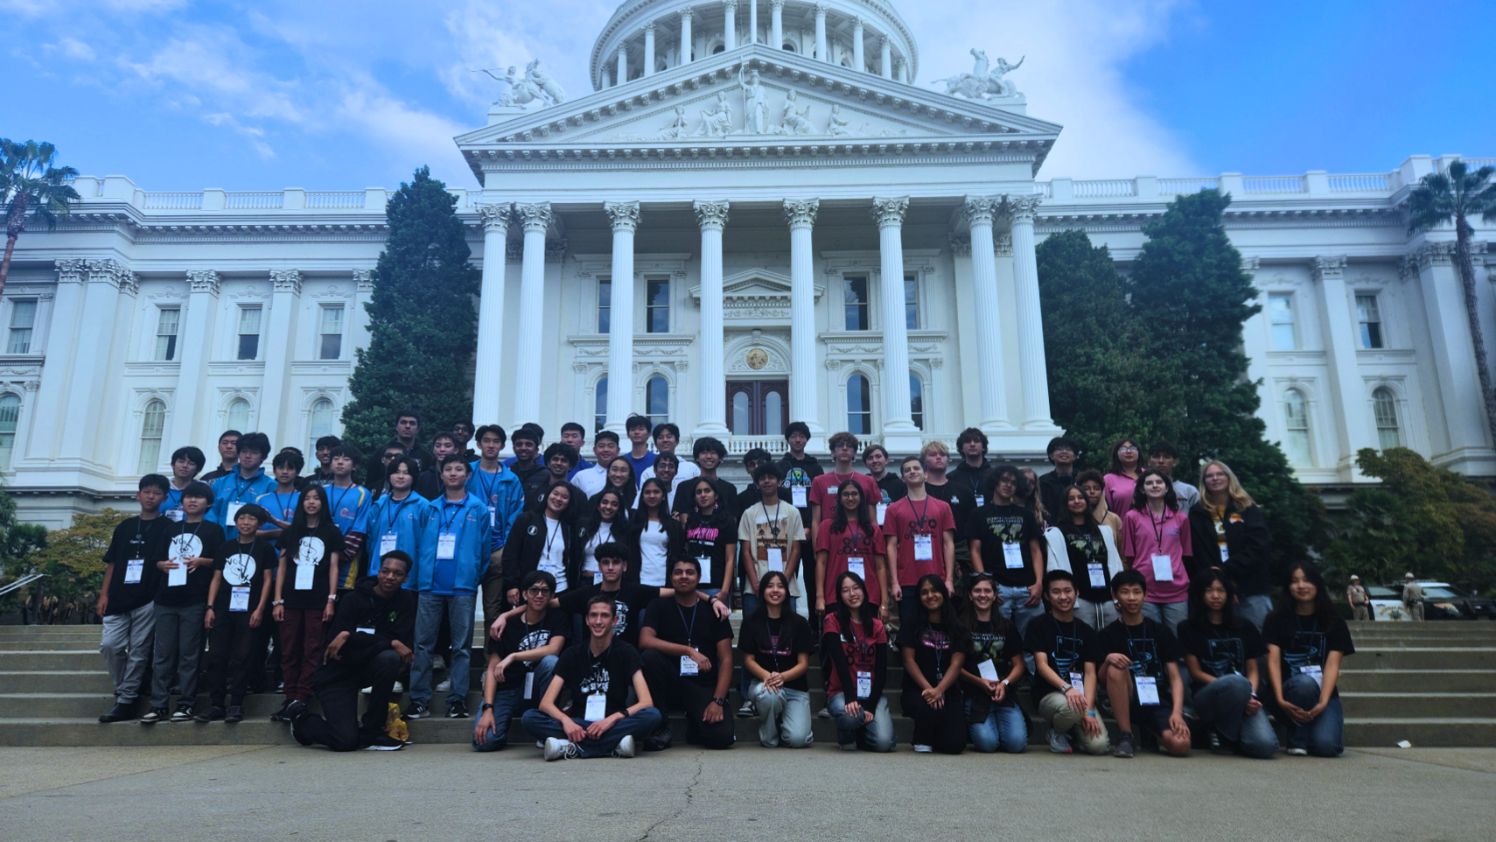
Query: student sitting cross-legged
(521,661)
(1140,671)
(593,679)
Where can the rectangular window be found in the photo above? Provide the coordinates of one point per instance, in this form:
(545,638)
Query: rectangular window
(1369,315)
(167,320)
(22,322)
(330,333)
(249,332)
(604,305)
(911,302)
(1280,321)
(657,306)
(855,297)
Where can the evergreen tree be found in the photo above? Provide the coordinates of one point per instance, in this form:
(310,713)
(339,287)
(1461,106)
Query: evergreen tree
(422,324)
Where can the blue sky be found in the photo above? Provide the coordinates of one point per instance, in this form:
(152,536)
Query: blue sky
(262,95)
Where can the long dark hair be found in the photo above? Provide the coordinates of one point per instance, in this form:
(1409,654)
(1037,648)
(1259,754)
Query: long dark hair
(839,520)
(662,511)
(865,614)
(958,633)
(1201,582)
(1116,465)
(1324,610)
(969,609)
(298,520)
(594,519)
(761,612)
(628,489)
(543,504)
(1140,497)
(690,488)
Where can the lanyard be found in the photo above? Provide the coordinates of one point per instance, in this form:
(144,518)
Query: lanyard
(689,627)
(551,536)
(774,643)
(919,523)
(341,497)
(602,536)
(1158,529)
(389,524)
(241,487)
(774,521)
(448,521)
(280,507)
(487,486)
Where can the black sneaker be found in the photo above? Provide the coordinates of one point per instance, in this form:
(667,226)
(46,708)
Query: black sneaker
(1124,747)
(384,744)
(216,713)
(235,713)
(417,711)
(183,714)
(457,710)
(747,709)
(295,710)
(280,715)
(121,712)
(153,716)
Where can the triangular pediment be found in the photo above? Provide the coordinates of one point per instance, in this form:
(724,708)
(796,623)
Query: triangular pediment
(754,284)
(715,105)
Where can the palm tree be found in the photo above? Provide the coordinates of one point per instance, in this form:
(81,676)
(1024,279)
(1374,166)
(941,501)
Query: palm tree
(1454,196)
(31,186)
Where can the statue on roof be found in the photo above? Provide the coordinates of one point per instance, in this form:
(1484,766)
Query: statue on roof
(535,86)
(755,106)
(984,81)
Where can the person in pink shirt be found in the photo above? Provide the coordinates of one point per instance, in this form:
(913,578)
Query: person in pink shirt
(1156,543)
(921,535)
(823,489)
(851,541)
(1122,476)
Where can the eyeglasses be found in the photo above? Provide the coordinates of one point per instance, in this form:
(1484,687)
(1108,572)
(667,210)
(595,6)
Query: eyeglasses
(538,591)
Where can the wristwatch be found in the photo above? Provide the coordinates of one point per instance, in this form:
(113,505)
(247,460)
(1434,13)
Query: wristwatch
(720,701)
(332,597)
(275,602)
(1004,682)
(485,707)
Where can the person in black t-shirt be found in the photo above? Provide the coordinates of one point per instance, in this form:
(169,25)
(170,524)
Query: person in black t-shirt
(994,720)
(776,643)
(585,710)
(1005,540)
(1062,452)
(935,647)
(184,556)
(237,600)
(1065,688)
(1088,550)
(1221,651)
(127,599)
(678,634)
(305,593)
(520,662)
(711,533)
(1306,645)
(797,471)
(1140,664)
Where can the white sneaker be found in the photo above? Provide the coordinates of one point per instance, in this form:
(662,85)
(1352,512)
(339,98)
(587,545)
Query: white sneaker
(366,691)
(559,749)
(1294,751)
(921,748)
(398,688)
(625,747)
(444,686)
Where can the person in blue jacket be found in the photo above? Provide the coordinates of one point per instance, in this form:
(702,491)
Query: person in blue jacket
(348,505)
(396,519)
(503,494)
(454,556)
(243,487)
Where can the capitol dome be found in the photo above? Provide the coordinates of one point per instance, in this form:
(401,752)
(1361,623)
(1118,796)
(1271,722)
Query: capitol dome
(647,36)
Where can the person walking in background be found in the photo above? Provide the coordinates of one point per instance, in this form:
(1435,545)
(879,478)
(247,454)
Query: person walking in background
(1412,597)
(1359,600)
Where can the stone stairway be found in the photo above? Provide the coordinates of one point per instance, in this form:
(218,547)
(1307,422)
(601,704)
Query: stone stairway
(1432,684)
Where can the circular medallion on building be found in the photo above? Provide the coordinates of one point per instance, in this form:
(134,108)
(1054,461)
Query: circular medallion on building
(757,358)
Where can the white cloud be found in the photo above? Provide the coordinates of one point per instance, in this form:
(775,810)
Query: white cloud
(253,134)
(211,62)
(70,48)
(410,135)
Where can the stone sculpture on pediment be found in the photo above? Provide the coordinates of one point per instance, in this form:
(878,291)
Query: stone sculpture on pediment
(679,127)
(984,81)
(794,120)
(535,86)
(755,106)
(717,121)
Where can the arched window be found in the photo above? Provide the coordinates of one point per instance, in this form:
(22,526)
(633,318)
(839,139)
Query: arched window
(1296,424)
(237,417)
(859,406)
(742,413)
(600,404)
(1384,409)
(151,429)
(657,399)
(10,416)
(320,422)
(789,47)
(773,413)
(917,401)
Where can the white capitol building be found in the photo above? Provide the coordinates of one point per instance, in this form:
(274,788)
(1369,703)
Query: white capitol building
(775,223)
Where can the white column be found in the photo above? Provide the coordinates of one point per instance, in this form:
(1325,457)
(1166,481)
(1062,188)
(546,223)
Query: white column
(607,77)
(489,370)
(625,218)
(885,57)
(536,218)
(712,420)
(363,293)
(821,51)
(62,346)
(685,37)
(776,24)
(991,384)
(649,49)
(804,400)
(279,342)
(623,64)
(858,61)
(898,423)
(753,21)
(1454,356)
(1348,392)
(91,353)
(729,24)
(1035,373)
(197,326)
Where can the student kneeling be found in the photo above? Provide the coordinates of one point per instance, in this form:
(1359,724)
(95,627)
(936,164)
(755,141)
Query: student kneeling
(680,674)
(1140,663)
(521,662)
(595,679)
(776,645)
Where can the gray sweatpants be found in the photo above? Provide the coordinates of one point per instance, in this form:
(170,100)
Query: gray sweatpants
(127,650)
(179,642)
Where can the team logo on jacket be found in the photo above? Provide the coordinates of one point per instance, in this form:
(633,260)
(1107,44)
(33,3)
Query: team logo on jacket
(532,531)
(239,569)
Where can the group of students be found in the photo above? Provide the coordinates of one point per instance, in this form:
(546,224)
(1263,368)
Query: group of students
(1128,588)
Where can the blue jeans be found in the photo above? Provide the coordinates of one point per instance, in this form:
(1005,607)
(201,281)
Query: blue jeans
(1325,736)
(1170,614)
(870,736)
(1004,728)
(1016,608)
(431,611)
(639,725)
(509,700)
(784,716)
(1254,609)
(1223,704)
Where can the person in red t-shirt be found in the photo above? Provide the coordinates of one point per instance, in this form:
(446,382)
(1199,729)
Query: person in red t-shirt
(921,535)
(850,541)
(856,647)
(823,489)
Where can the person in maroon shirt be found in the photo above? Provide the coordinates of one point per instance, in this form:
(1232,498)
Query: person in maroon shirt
(856,647)
(921,535)
(850,541)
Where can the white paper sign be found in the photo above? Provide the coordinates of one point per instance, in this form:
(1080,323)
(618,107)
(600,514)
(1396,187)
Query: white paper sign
(1078,681)
(597,707)
(1147,689)
(305,573)
(386,544)
(1012,556)
(775,558)
(1315,672)
(1163,568)
(706,570)
(987,670)
(688,666)
(882,511)
(134,569)
(924,548)
(446,546)
(239,598)
(1098,574)
(798,497)
(233,513)
(855,565)
(177,576)
(864,684)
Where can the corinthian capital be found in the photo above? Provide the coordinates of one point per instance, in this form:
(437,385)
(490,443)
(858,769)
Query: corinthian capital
(625,215)
(203,280)
(1329,267)
(535,216)
(70,270)
(495,217)
(979,209)
(1023,208)
(286,280)
(711,214)
(798,212)
(890,211)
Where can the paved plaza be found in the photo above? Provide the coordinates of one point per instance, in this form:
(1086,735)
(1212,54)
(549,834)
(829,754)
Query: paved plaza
(448,792)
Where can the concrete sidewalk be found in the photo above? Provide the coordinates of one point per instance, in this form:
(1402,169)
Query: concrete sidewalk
(449,792)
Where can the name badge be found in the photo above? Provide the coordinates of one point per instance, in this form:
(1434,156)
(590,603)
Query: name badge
(304,576)
(529,685)
(924,548)
(177,576)
(1078,681)
(239,598)
(987,670)
(981,501)
(1012,556)
(775,558)
(1315,672)
(597,707)
(176,515)
(134,569)
(797,497)
(1098,574)
(1163,568)
(864,684)
(493,516)
(446,546)
(597,577)
(706,570)
(882,510)
(232,513)
(856,565)
(1225,552)
(1147,689)
(369,630)
(386,544)
(688,666)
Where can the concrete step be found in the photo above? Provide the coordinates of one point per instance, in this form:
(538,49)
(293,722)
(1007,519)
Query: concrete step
(1424,733)
(1420,705)
(1442,681)
(1425,658)
(94,681)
